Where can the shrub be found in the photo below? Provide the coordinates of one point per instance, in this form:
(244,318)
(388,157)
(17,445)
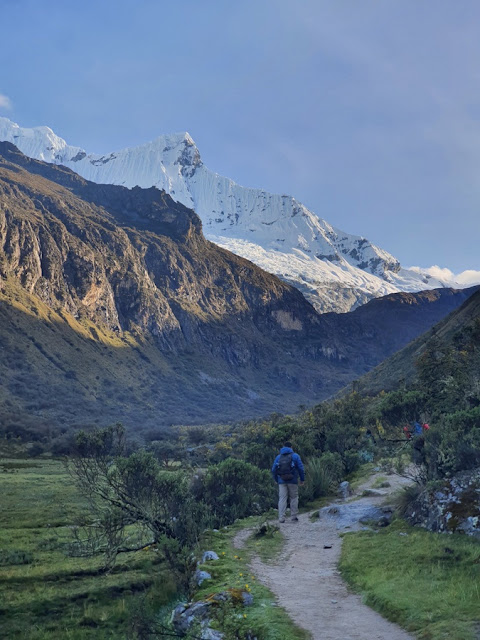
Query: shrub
(406,497)
(454,444)
(236,489)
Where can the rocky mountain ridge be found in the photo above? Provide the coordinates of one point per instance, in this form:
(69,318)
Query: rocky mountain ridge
(335,270)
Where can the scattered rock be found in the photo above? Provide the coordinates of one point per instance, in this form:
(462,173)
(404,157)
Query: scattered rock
(201,576)
(345,490)
(384,521)
(185,615)
(209,555)
(211,634)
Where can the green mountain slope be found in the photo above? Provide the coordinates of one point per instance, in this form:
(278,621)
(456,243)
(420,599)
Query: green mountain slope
(458,333)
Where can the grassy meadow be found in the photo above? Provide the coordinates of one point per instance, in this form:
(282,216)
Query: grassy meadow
(428,583)
(47,594)
(44,593)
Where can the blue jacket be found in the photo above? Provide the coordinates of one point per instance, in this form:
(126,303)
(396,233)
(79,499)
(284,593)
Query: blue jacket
(297,470)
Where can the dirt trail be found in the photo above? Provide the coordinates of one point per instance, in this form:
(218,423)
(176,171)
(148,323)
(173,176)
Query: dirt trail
(307,583)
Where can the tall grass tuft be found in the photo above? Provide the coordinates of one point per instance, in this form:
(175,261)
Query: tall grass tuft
(406,497)
(322,476)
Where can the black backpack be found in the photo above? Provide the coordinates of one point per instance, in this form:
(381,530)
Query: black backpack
(285,467)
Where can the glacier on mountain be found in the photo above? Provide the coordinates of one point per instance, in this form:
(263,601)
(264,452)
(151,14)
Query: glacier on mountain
(335,270)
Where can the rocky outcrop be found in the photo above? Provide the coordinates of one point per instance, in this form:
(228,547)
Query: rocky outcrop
(453,506)
(129,258)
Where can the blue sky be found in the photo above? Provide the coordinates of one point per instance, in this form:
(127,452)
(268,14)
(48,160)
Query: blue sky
(366,111)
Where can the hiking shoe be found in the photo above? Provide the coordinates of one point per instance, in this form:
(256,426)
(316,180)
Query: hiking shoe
(294,519)
(282,520)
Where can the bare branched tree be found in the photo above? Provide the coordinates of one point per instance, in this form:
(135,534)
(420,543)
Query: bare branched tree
(133,502)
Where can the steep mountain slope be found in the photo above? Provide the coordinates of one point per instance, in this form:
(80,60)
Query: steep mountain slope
(113,306)
(400,369)
(386,324)
(335,270)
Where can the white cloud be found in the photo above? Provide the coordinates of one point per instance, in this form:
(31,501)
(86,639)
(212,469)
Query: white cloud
(466,278)
(5,102)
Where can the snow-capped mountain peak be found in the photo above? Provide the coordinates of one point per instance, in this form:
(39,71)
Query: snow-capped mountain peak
(335,270)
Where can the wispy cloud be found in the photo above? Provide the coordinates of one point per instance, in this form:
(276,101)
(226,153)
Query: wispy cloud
(5,102)
(466,278)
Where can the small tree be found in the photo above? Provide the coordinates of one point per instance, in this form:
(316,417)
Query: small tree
(134,502)
(236,489)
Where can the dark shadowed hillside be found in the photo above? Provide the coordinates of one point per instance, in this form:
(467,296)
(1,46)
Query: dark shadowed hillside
(402,368)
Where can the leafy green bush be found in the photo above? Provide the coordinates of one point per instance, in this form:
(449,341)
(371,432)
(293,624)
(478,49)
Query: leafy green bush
(454,444)
(236,489)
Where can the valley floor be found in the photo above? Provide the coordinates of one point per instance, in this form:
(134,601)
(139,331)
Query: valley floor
(308,584)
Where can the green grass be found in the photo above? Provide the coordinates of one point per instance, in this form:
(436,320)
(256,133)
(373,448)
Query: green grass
(43,593)
(264,618)
(428,583)
(269,544)
(360,475)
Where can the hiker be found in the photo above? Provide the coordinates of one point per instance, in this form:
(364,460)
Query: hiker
(419,456)
(286,471)
(417,428)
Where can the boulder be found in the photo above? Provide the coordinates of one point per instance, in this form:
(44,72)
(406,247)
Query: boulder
(351,515)
(453,507)
(201,576)
(184,615)
(345,490)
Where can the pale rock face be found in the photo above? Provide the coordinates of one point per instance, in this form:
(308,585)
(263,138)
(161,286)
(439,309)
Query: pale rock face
(335,270)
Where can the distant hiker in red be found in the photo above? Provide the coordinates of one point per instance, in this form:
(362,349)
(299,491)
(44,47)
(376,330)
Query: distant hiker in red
(407,432)
(286,471)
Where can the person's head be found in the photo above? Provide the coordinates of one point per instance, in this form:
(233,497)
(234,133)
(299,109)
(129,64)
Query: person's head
(287,444)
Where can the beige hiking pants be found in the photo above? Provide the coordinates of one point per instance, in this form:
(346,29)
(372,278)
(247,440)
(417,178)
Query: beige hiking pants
(286,491)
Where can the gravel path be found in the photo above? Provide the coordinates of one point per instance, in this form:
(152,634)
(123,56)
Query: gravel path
(307,583)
